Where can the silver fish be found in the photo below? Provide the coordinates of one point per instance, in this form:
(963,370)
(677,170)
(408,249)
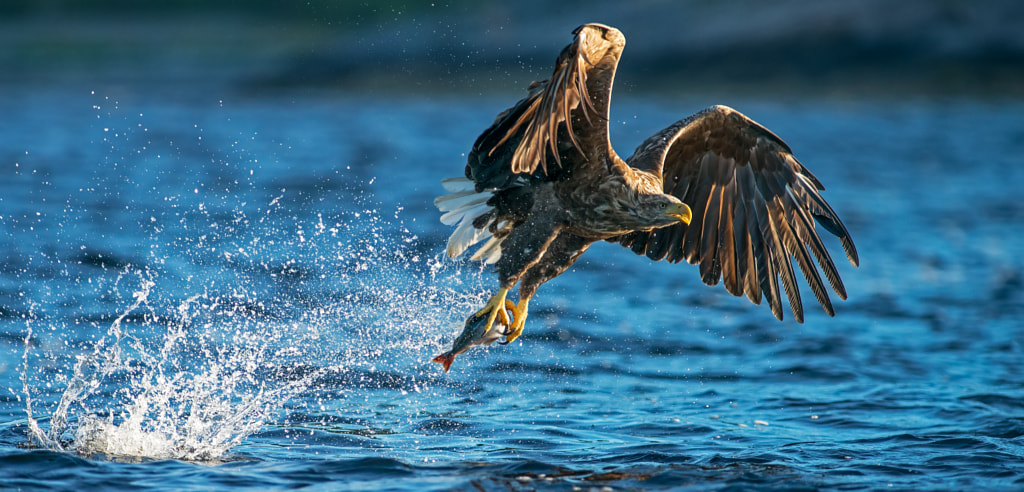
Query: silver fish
(476,333)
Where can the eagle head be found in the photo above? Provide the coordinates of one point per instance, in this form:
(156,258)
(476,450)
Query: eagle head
(654,211)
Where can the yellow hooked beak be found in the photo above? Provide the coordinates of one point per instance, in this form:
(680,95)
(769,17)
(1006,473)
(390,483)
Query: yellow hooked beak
(680,211)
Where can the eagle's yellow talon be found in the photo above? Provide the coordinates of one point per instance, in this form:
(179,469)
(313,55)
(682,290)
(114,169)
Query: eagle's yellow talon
(503,316)
(518,322)
(493,309)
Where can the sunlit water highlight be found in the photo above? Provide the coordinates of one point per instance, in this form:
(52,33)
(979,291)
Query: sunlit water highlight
(259,287)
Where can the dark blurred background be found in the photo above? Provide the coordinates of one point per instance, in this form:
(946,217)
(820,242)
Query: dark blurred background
(831,47)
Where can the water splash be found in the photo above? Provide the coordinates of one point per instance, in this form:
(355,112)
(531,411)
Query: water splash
(191,397)
(239,302)
(191,379)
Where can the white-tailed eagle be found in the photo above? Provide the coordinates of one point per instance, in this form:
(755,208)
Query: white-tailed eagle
(715,189)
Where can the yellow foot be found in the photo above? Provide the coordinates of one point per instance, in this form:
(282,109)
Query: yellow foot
(518,321)
(494,309)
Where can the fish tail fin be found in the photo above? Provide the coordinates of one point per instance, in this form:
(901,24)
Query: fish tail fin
(445,360)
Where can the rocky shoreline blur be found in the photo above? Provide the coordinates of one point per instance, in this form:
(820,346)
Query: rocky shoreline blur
(874,47)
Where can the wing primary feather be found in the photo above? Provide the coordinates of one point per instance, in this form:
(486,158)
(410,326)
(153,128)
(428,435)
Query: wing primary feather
(825,215)
(667,244)
(518,165)
(743,227)
(770,283)
(799,168)
(740,248)
(710,270)
(830,221)
(581,84)
(570,98)
(788,277)
(701,189)
(807,235)
(526,116)
(638,242)
(660,243)
(551,120)
(768,269)
(797,250)
(727,239)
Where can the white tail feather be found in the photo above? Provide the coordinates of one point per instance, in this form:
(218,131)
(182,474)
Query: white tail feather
(475,208)
(463,205)
(450,201)
(458,184)
(490,252)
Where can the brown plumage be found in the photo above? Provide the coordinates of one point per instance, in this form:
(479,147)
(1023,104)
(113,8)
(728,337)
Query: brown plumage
(543,183)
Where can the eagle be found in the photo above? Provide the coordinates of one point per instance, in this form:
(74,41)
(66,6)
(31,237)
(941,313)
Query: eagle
(715,189)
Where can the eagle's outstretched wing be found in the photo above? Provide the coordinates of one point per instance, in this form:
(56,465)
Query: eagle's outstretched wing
(534,138)
(754,207)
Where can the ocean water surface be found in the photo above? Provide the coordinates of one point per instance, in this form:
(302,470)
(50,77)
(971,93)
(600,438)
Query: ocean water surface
(247,293)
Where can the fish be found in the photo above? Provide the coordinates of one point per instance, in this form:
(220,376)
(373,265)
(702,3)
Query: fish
(476,333)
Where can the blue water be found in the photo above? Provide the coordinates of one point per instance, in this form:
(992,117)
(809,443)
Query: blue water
(245,292)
